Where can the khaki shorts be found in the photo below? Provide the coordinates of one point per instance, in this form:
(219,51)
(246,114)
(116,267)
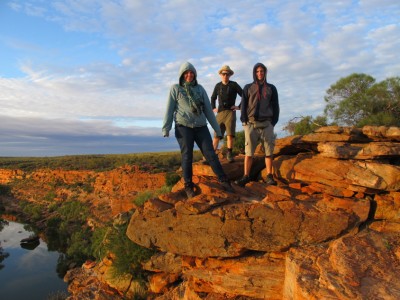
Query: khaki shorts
(227,122)
(253,136)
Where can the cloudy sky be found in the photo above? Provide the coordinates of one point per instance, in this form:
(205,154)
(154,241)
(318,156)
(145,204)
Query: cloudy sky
(92,76)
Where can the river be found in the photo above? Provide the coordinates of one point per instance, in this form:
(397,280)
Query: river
(28,274)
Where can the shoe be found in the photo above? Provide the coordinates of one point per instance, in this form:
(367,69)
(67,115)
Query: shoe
(229,157)
(227,186)
(243,181)
(189,190)
(270,180)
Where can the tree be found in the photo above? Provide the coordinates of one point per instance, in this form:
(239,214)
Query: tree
(305,125)
(384,104)
(347,99)
(357,100)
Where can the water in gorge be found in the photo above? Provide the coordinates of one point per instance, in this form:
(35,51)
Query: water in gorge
(27,271)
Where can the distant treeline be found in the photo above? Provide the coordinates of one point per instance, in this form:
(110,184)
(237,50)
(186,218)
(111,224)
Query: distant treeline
(151,162)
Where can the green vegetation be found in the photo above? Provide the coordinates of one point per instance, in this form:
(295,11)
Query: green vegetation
(149,162)
(142,197)
(65,221)
(238,146)
(66,229)
(128,255)
(356,100)
(33,211)
(171,178)
(305,125)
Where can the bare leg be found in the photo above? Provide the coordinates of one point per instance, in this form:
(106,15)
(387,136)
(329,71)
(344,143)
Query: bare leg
(248,161)
(215,143)
(230,139)
(268,164)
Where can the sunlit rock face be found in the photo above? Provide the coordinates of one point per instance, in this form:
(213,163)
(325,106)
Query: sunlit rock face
(329,230)
(109,193)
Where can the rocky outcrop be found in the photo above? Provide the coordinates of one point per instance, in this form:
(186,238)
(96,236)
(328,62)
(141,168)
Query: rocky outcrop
(109,193)
(329,230)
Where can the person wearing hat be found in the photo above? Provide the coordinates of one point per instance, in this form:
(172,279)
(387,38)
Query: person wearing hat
(226,92)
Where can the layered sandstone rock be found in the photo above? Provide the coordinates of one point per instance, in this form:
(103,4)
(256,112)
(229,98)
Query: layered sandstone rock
(329,230)
(274,219)
(109,193)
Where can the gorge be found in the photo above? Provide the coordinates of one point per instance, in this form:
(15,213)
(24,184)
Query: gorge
(329,230)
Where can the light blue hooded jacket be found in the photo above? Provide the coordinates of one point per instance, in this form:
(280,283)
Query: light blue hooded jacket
(179,109)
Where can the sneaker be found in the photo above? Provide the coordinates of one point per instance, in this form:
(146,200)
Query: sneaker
(227,186)
(229,156)
(243,181)
(189,190)
(270,180)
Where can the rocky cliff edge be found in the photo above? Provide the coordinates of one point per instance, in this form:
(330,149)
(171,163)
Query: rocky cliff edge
(329,230)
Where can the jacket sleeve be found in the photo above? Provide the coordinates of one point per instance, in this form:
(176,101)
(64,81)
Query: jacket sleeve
(210,114)
(243,105)
(214,96)
(170,110)
(275,106)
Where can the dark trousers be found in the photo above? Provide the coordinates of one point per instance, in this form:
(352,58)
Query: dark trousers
(186,137)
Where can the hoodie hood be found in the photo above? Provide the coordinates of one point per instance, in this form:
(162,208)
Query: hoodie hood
(186,67)
(255,68)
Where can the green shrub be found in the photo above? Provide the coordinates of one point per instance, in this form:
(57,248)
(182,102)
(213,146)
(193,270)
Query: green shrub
(99,237)
(171,178)
(142,197)
(239,144)
(74,211)
(79,246)
(128,255)
(50,196)
(33,211)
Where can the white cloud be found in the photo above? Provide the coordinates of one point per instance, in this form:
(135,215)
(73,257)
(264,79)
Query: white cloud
(118,58)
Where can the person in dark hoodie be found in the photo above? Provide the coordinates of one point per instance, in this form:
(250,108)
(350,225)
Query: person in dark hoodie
(189,106)
(259,115)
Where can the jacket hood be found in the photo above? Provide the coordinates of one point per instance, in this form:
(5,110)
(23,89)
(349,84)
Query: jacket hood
(186,66)
(255,68)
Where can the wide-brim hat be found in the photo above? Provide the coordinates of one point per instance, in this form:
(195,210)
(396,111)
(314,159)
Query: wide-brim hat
(227,69)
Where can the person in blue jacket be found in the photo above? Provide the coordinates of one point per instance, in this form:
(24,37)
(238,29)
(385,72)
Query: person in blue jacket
(189,106)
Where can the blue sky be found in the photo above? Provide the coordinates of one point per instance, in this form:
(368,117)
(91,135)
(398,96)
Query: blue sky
(92,77)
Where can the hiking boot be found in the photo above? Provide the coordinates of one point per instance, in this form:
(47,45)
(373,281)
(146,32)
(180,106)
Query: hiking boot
(243,181)
(270,180)
(189,190)
(229,157)
(227,186)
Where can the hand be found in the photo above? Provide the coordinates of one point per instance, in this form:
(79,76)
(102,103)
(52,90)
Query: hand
(215,110)
(235,108)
